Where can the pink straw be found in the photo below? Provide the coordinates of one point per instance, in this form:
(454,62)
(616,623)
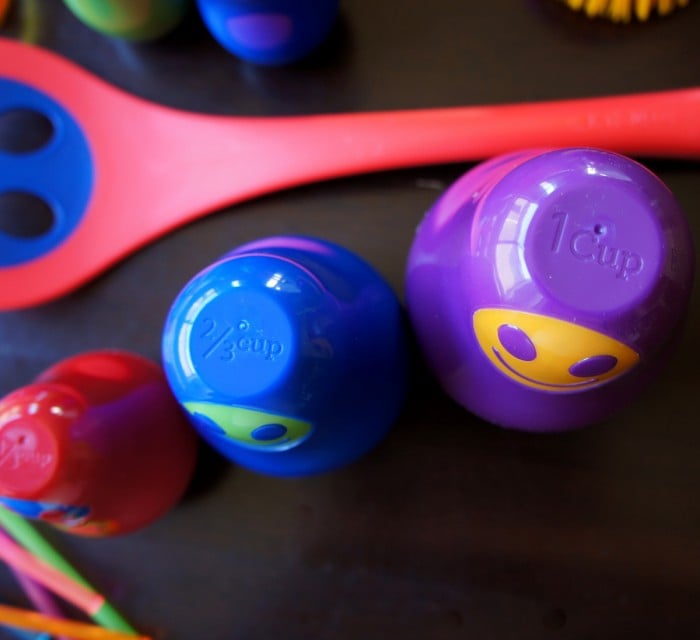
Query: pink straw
(38,595)
(19,559)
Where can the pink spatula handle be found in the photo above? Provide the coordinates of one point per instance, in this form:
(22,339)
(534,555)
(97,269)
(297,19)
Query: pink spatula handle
(157,168)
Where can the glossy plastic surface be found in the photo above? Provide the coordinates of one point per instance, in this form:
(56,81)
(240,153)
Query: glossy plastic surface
(129,19)
(229,159)
(269,32)
(545,286)
(290,355)
(97,445)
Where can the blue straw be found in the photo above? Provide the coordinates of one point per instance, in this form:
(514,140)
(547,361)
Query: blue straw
(21,634)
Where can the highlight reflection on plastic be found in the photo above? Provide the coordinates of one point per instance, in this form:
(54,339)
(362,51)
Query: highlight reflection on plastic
(547,353)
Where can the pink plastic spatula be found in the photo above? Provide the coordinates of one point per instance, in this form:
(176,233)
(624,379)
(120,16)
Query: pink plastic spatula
(118,171)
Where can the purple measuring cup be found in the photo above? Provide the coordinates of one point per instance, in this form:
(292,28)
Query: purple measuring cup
(546,286)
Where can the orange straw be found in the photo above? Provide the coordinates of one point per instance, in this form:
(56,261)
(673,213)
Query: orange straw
(33,621)
(75,593)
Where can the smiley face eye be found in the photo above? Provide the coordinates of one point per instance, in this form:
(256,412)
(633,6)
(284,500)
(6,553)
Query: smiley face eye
(593,366)
(268,432)
(516,342)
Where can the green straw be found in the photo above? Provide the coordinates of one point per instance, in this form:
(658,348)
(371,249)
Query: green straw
(22,531)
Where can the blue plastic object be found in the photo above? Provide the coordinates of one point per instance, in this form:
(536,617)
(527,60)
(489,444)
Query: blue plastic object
(269,32)
(60,173)
(289,354)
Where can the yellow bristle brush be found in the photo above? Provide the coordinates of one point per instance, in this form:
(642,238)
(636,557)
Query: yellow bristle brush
(625,10)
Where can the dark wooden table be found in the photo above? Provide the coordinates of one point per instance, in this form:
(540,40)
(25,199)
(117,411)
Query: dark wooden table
(452,528)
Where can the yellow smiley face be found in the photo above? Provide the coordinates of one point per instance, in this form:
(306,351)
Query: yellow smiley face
(550,354)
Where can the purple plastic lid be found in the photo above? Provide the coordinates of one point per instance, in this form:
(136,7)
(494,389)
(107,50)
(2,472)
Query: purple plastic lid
(591,245)
(579,234)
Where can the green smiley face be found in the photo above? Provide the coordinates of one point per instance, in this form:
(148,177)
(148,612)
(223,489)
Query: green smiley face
(251,427)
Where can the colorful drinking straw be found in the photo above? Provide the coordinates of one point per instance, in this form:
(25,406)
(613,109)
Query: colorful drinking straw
(32,620)
(41,599)
(29,537)
(64,586)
